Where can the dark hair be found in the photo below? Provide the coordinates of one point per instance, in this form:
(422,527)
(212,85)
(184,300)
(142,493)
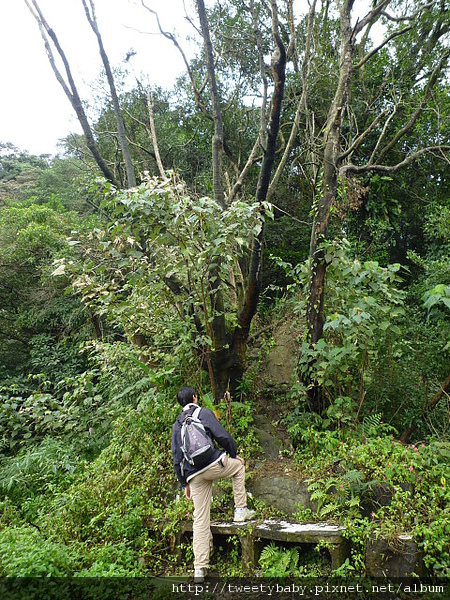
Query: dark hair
(186,395)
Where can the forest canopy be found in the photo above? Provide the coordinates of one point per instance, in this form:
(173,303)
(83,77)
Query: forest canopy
(298,171)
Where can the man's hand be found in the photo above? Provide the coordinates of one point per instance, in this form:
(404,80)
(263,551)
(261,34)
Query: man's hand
(241,460)
(187,492)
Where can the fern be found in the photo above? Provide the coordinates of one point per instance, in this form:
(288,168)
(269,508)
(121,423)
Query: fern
(278,562)
(354,477)
(371,424)
(328,509)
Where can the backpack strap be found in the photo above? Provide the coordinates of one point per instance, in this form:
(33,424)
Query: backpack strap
(185,414)
(196,412)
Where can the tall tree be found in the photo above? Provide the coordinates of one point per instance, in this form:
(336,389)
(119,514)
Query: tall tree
(92,19)
(226,354)
(387,123)
(69,87)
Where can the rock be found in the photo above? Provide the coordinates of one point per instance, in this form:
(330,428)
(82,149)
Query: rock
(393,558)
(280,363)
(380,494)
(268,437)
(281,492)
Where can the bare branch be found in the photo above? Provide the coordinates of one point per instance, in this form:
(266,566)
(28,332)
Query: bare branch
(92,20)
(254,156)
(378,48)
(197,91)
(408,17)
(360,139)
(408,126)
(70,89)
(382,134)
(153,133)
(359,169)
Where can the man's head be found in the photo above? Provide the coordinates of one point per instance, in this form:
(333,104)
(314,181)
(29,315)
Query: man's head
(186,395)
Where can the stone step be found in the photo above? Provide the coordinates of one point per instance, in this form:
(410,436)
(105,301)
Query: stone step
(251,533)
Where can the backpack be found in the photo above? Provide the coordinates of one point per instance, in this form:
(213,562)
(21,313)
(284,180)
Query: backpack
(196,445)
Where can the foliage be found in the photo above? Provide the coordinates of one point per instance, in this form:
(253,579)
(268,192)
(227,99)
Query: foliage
(38,470)
(363,306)
(160,267)
(24,552)
(37,317)
(103,316)
(437,298)
(276,562)
(346,474)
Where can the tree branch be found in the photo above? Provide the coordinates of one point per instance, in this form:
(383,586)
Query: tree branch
(370,17)
(197,91)
(359,169)
(153,133)
(378,48)
(359,140)
(92,20)
(70,90)
(302,107)
(408,126)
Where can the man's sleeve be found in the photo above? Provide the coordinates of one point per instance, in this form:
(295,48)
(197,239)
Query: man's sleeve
(218,432)
(177,454)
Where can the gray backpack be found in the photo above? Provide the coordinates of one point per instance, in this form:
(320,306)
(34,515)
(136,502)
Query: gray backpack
(196,445)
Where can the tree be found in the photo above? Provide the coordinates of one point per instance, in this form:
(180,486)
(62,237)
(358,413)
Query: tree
(19,172)
(227,352)
(343,151)
(36,314)
(71,90)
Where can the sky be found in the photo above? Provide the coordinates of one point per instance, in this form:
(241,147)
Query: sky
(34,110)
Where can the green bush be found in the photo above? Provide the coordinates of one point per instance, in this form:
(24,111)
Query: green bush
(25,552)
(344,472)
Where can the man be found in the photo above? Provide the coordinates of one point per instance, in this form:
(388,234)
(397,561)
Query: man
(197,481)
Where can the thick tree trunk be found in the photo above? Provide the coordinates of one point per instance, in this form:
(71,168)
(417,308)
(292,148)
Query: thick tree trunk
(226,362)
(253,284)
(218,326)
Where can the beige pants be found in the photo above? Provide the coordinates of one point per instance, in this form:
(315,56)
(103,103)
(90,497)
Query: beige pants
(201,493)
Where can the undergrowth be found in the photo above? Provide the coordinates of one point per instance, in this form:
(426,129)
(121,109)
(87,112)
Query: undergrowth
(379,487)
(118,515)
(115,516)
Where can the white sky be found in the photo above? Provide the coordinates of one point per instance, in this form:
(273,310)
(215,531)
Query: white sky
(34,110)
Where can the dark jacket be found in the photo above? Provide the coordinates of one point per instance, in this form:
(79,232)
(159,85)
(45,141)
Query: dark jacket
(216,432)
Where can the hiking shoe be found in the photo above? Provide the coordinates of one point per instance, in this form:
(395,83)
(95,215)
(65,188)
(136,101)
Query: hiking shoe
(199,575)
(242,513)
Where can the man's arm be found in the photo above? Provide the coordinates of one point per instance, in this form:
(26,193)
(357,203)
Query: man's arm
(177,454)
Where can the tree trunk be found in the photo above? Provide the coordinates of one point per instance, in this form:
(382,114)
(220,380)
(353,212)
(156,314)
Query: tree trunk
(72,93)
(253,284)
(227,361)
(217,142)
(317,270)
(443,389)
(90,15)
